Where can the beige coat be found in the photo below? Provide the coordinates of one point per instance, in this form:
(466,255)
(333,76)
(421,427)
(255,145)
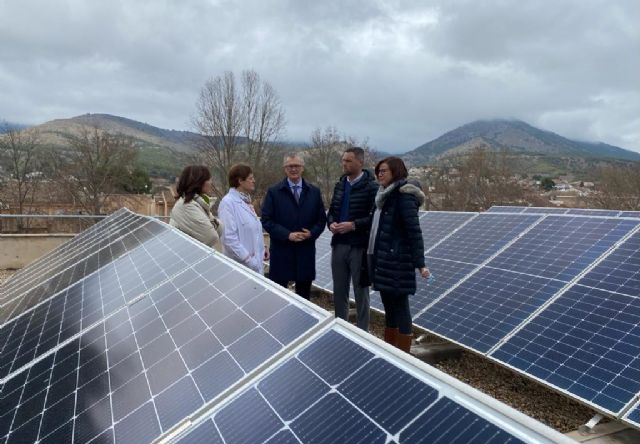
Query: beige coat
(195,219)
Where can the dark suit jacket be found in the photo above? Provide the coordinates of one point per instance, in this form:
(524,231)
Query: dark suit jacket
(292,261)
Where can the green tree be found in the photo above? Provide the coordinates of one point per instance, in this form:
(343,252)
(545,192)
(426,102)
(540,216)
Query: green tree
(547,184)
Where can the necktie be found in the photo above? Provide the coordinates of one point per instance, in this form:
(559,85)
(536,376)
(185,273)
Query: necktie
(296,193)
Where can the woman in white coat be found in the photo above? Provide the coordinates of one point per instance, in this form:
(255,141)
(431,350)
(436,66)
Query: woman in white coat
(242,237)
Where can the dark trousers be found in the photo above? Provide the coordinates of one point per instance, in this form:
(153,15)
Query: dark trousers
(303,288)
(396,311)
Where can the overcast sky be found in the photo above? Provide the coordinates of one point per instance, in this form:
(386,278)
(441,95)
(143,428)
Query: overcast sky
(398,72)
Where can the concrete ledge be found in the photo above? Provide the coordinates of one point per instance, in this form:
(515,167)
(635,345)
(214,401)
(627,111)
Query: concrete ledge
(19,250)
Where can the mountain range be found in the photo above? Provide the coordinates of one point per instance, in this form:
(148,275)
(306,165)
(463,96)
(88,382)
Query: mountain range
(516,136)
(162,151)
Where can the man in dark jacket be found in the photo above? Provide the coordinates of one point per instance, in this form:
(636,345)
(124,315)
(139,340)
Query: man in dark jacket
(293,215)
(349,220)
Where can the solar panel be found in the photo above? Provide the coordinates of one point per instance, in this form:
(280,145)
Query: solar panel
(41,273)
(84,267)
(593,212)
(92,299)
(505,209)
(560,247)
(324,277)
(79,246)
(486,307)
(363,394)
(634,415)
(629,214)
(586,343)
(436,225)
(482,237)
(135,374)
(619,271)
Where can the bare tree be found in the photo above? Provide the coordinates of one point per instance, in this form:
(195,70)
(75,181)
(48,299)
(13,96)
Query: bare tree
(323,159)
(93,166)
(475,181)
(239,124)
(19,151)
(618,188)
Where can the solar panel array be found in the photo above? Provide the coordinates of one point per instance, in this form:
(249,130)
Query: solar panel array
(154,330)
(553,296)
(361,394)
(555,210)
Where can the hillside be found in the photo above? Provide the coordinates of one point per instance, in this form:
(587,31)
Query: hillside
(515,136)
(161,152)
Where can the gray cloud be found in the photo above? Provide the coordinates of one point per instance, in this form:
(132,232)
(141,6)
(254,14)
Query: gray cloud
(397,72)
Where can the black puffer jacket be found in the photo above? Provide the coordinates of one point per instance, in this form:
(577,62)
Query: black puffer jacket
(361,203)
(399,248)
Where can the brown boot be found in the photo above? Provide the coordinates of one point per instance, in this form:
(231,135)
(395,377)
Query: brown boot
(404,342)
(391,336)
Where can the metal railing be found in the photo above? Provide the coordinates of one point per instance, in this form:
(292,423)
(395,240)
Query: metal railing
(51,223)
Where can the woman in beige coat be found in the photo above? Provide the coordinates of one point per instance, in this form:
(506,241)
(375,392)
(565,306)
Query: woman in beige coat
(192,211)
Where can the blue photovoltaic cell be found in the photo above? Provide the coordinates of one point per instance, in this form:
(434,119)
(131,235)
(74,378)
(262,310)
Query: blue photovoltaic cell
(560,247)
(446,275)
(593,212)
(482,237)
(629,214)
(436,225)
(499,209)
(634,415)
(587,343)
(619,271)
(151,364)
(545,210)
(357,396)
(487,306)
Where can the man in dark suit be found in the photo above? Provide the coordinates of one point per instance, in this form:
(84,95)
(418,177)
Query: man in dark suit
(293,215)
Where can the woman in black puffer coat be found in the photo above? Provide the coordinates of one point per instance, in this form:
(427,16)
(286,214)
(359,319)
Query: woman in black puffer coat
(396,248)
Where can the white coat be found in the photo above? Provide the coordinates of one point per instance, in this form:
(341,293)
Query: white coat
(243,240)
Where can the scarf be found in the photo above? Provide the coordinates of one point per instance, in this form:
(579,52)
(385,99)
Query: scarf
(381,197)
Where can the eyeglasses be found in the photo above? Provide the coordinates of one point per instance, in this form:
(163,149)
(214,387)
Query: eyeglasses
(382,171)
(293,167)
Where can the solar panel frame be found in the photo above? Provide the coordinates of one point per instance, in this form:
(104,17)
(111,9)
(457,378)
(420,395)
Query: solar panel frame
(85,239)
(127,284)
(593,212)
(544,210)
(505,209)
(58,265)
(635,214)
(364,354)
(109,252)
(633,415)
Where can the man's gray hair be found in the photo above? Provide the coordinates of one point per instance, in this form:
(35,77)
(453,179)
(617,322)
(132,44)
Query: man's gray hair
(357,152)
(293,156)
